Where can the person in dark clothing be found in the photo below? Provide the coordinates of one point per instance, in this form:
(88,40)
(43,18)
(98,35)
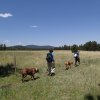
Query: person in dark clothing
(50,63)
(77,58)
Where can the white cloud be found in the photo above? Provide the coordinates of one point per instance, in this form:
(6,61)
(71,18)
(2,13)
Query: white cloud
(34,26)
(6,41)
(5,15)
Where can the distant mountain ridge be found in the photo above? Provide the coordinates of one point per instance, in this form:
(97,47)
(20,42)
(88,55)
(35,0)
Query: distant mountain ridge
(30,47)
(39,47)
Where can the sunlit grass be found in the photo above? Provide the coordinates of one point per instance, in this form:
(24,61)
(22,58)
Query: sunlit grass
(72,84)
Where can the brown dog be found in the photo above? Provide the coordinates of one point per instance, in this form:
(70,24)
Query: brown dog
(28,71)
(68,65)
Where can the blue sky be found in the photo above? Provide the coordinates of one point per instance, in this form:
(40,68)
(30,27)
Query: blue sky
(49,22)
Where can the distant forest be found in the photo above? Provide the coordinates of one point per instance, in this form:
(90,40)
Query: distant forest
(88,46)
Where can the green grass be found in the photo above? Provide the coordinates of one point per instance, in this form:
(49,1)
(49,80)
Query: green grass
(77,83)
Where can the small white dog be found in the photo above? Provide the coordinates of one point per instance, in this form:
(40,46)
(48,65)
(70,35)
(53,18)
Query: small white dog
(52,70)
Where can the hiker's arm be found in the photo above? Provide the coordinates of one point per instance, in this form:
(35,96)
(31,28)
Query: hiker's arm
(53,58)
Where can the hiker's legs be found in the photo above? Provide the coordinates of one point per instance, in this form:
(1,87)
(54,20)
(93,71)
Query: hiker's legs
(75,60)
(79,60)
(53,64)
(49,67)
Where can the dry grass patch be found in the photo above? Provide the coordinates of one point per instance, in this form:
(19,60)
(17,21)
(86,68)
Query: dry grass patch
(78,83)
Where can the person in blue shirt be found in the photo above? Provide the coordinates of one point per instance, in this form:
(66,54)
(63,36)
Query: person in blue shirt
(50,62)
(77,58)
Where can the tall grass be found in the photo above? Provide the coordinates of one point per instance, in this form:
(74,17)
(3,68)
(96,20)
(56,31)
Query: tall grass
(78,83)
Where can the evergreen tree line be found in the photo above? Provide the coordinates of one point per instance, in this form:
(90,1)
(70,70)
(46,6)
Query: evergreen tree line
(2,46)
(88,46)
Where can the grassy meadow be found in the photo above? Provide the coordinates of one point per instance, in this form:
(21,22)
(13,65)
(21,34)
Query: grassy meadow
(78,83)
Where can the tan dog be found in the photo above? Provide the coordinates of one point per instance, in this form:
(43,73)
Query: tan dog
(28,71)
(68,65)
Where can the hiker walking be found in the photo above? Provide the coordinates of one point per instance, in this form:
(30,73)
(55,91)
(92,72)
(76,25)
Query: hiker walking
(50,63)
(77,58)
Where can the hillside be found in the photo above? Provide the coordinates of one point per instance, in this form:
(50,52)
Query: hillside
(39,47)
(29,47)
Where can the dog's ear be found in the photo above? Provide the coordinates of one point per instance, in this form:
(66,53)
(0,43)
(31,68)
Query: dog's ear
(37,70)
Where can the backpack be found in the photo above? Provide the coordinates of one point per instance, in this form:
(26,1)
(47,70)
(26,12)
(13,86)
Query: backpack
(49,57)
